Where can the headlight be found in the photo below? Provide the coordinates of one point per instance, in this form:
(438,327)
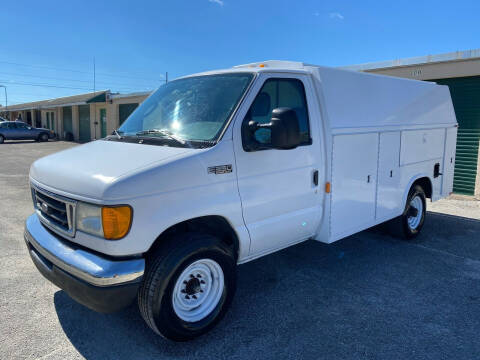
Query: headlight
(89,218)
(109,222)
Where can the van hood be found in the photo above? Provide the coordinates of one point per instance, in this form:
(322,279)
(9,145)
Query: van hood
(86,171)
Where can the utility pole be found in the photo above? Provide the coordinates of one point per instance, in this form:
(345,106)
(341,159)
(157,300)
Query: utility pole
(95,123)
(166,77)
(6,100)
(94,75)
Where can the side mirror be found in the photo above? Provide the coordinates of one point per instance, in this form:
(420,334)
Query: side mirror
(284,128)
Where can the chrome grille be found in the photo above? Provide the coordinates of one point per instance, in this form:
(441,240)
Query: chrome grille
(54,211)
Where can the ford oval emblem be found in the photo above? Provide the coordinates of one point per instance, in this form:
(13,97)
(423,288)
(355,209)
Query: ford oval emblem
(45,207)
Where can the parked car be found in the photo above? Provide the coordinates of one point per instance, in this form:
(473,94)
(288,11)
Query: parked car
(220,168)
(18,130)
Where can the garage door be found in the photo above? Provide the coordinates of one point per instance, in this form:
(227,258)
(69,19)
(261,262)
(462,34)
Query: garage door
(67,119)
(124,111)
(84,123)
(466,101)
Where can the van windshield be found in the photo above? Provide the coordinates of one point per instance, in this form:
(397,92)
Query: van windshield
(188,110)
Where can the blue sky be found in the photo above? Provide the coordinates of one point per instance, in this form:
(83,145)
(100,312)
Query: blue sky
(134,43)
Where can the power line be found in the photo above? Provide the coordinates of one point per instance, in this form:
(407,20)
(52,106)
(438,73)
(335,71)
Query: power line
(16,83)
(61,79)
(71,70)
(44,85)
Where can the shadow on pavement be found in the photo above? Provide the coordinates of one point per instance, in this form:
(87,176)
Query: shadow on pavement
(367,296)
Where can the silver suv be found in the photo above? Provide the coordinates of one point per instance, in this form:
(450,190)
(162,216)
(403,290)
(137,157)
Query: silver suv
(18,130)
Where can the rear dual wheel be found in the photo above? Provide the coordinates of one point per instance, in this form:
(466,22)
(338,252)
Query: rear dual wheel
(410,223)
(189,283)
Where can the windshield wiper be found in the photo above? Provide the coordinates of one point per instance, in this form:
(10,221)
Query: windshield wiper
(166,133)
(116,133)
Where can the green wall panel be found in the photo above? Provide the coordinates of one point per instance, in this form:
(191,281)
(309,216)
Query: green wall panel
(84,123)
(67,119)
(124,111)
(465,94)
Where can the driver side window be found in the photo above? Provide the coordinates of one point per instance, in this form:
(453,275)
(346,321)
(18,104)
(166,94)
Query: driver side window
(277,93)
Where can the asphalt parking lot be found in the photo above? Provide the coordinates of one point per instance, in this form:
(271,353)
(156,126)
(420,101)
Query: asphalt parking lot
(369,296)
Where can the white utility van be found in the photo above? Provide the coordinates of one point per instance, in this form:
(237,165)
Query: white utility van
(219,168)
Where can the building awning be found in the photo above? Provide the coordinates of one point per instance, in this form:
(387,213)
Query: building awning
(93,97)
(100,98)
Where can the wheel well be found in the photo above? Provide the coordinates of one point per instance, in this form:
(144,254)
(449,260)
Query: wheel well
(214,225)
(426,185)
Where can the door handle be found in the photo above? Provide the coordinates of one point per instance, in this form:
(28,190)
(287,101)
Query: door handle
(315,177)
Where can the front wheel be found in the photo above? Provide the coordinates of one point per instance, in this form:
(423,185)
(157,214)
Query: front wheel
(188,286)
(2,139)
(43,137)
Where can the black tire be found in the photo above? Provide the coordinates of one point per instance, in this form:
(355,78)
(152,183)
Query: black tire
(2,139)
(43,137)
(399,226)
(164,267)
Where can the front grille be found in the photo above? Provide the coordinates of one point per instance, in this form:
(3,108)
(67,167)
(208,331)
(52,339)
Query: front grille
(55,211)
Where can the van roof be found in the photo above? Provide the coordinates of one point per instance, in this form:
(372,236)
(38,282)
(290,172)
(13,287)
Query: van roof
(260,66)
(277,64)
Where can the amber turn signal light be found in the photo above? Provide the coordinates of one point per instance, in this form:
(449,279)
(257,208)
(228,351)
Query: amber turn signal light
(116,221)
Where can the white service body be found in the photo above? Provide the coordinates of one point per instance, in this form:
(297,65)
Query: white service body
(372,137)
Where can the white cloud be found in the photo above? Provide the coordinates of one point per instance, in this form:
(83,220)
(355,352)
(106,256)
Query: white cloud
(219,2)
(334,15)
(316,14)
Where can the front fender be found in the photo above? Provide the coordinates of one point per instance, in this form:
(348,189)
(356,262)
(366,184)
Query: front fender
(178,191)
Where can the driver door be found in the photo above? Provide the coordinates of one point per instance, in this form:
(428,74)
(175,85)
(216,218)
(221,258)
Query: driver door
(280,198)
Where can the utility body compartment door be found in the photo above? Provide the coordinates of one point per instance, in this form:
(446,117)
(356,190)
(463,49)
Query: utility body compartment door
(389,191)
(354,172)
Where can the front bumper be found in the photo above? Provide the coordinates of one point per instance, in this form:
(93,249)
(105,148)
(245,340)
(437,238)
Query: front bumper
(102,284)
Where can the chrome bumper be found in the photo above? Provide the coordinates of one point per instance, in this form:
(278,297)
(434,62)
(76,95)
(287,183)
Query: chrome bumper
(84,265)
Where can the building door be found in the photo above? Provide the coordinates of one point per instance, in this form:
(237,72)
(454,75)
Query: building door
(465,94)
(37,118)
(84,123)
(103,122)
(67,120)
(48,120)
(29,118)
(52,121)
(124,111)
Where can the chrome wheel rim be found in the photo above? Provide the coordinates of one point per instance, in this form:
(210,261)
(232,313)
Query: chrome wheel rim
(414,221)
(198,290)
